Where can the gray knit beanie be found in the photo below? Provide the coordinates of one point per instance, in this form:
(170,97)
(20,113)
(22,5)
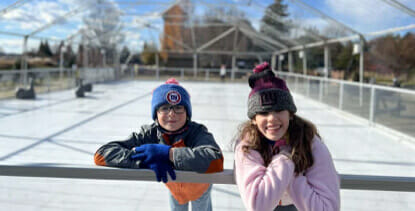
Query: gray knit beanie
(269,93)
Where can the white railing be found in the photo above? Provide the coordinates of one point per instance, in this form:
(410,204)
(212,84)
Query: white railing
(54,78)
(391,107)
(355,182)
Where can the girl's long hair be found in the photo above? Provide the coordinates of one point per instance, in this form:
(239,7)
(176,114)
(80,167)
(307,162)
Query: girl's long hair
(301,133)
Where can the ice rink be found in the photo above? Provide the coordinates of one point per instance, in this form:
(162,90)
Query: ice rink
(59,129)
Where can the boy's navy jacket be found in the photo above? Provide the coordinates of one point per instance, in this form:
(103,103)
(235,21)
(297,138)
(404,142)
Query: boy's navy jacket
(195,149)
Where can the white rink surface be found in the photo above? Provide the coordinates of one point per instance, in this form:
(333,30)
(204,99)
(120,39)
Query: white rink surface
(58,129)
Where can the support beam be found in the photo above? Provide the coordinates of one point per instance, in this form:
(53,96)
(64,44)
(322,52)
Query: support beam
(157,67)
(23,63)
(290,62)
(235,49)
(361,60)
(280,45)
(326,61)
(217,38)
(304,62)
(13,6)
(400,7)
(219,52)
(233,67)
(194,65)
(273,61)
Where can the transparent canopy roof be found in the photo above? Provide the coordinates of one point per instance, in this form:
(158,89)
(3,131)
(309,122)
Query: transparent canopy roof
(259,25)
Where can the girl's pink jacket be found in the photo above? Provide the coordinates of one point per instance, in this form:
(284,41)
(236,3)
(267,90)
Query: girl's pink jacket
(263,188)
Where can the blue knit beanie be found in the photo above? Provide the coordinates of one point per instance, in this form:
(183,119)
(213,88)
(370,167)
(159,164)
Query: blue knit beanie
(170,93)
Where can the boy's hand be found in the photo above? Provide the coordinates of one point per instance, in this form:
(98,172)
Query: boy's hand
(151,153)
(161,169)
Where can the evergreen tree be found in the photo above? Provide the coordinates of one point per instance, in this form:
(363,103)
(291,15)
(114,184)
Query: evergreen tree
(278,11)
(125,52)
(44,50)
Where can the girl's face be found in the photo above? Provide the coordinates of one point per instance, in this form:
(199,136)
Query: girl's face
(273,125)
(171,118)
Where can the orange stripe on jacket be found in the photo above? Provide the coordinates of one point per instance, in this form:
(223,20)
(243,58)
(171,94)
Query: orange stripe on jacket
(99,160)
(184,192)
(215,166)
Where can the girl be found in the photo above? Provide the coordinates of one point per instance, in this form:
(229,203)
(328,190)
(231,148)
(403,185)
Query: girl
(280,161)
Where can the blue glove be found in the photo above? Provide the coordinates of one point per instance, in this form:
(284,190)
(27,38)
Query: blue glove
(151,153)
(161,169)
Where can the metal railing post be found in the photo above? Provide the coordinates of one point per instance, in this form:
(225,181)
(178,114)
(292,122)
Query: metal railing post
(158,67)
(320,95)
(372,105)
(206,74)
(341,95)
(182,74)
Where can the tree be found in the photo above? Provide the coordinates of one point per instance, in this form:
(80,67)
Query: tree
(148,55)
(274,18)
(103,27)
(44,50)
(125,52)
(394,53)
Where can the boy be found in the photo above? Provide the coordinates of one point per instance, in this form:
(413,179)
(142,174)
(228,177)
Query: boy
(173,141)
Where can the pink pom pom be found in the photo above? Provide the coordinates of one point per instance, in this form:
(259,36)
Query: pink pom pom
(261,67)
(172,81)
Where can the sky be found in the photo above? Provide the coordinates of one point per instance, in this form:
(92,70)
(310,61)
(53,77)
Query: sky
(24,17)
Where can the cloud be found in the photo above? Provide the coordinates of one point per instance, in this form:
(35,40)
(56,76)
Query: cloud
(15,45)
(369,14)
(36,14)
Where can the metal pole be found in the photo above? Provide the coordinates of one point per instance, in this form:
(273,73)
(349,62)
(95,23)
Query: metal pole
(104,62)
(320,97)
(182,74)
(23,62)
(326,61)
(290,62)
(304,62)
(361,67)
(233,67)
(194,65)
(341,95)
(207,75)
(61,63)
(117,63)
(273,59)
(372,105)
(280,63)
(158,67)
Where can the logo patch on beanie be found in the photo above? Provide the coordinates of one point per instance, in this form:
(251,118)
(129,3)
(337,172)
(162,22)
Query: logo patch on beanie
(269,98)
(173,97)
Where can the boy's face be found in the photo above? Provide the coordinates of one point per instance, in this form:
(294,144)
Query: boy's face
(171,117)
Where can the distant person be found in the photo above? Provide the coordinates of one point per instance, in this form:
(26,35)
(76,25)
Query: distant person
(280,161)
(222,72)
(172,142)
